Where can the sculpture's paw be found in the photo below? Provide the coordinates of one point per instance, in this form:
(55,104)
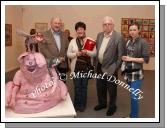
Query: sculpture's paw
(12,103)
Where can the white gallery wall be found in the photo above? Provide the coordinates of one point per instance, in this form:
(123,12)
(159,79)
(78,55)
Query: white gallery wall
(91,15)
(14,16)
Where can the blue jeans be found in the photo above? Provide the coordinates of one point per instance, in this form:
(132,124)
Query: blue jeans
(134,99)
(80,92)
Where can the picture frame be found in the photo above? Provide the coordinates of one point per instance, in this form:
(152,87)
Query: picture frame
(151,35)
(125,21)
(152,21)
(41,27)
(145,21)
(8,34)
(145,28)
(151,28)
(126,35)
(131,20)
(139,21)
(144,34)
(124,28)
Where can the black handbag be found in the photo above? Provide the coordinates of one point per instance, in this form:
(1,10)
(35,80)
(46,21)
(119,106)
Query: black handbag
(81,64)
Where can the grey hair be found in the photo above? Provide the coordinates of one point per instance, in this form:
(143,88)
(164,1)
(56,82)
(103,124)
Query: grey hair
(108,18)
(55,18)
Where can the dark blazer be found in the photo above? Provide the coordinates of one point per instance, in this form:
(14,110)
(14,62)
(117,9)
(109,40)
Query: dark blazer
(113,53)
(49,49)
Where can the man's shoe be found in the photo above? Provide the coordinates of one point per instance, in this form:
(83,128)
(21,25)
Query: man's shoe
(82,109)
(99,107)
(110,112)
(77,108)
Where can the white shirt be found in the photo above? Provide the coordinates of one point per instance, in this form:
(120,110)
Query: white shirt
(103,47)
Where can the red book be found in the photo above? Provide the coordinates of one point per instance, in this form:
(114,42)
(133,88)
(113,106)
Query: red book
(89,44)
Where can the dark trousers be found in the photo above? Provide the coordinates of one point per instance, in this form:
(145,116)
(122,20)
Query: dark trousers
(102,86)
(80,92)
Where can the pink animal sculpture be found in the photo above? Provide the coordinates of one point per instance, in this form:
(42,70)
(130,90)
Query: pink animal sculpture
(34,88)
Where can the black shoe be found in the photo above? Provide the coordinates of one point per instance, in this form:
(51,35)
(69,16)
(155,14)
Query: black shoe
(77,108)
(82,109)
(110,111)
(99,107)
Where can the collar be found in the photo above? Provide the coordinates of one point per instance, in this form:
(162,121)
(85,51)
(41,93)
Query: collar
(105,35)
(53,32)
(135,39)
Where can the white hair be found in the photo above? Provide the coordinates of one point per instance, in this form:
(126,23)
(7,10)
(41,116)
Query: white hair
(108,18)
(53,18)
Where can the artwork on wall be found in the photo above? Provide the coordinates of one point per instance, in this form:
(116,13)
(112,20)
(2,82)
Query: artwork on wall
(8,34)
(41,27)
(147,31)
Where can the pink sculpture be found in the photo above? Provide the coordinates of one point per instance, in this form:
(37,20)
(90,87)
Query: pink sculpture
(34,88)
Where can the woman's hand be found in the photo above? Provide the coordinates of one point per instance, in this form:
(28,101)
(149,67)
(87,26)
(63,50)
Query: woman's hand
(126,58)
(84,52)
(137,60)
(78,53)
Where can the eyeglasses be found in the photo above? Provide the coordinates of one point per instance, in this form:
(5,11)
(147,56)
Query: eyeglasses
(107,24)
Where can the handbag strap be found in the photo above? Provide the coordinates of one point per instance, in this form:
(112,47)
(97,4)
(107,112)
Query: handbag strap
(79,44)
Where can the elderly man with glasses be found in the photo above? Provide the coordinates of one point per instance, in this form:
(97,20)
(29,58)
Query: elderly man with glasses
(110,48)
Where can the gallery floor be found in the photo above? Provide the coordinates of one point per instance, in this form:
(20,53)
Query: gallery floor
(147,104)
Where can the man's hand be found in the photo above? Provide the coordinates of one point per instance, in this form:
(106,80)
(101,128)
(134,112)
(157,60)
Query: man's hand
(38,37)
(62,59)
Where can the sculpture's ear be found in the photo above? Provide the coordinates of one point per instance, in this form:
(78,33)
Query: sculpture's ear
(40,59)
(21,57)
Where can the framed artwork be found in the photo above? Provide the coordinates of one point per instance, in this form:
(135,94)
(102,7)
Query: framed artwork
(126,34)
(152,21)
(151,44)
(125,21)
(41,27)
(152,28)
(139,21)
(151,35)
(124,28)
(146,27)
(8,34)
(131,21)
(144,34)
(145,21)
